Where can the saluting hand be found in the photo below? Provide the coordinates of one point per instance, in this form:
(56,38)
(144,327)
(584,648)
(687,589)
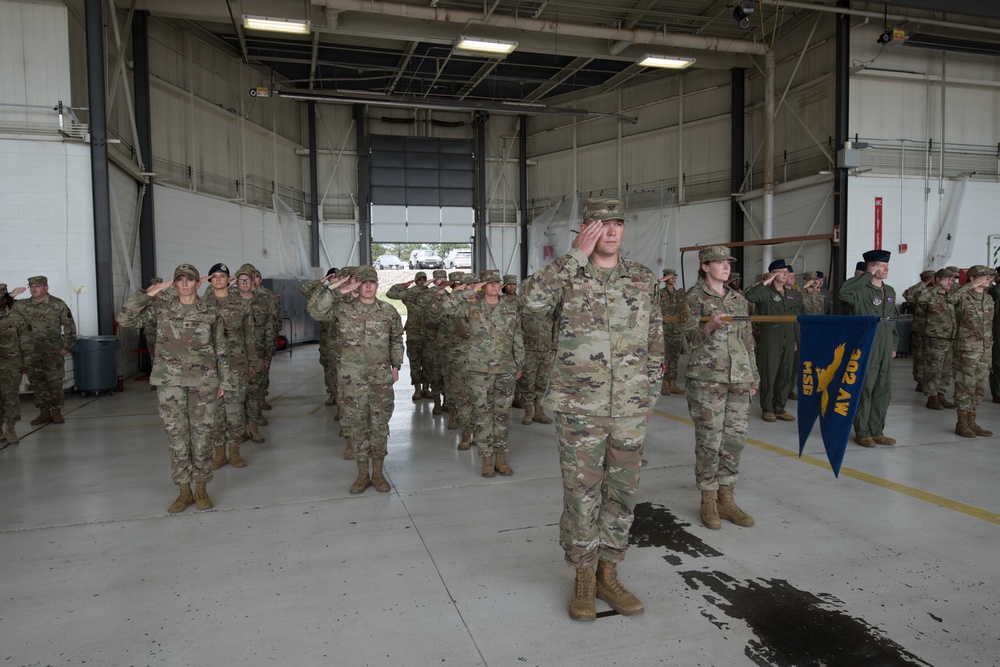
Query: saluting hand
(587,239)
(18,291)
(158,288)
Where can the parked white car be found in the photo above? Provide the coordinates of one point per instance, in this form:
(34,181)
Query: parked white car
(458,258)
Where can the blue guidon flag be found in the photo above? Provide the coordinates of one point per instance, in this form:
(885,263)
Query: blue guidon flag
(833,358)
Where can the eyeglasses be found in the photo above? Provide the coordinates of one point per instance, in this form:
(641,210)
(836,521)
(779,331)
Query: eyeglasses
(245,281)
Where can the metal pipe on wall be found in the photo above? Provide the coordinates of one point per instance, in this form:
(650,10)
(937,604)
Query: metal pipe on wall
(842,115)
(737,148)
(311,111)
(364,192)
(768,222)
(140,83)
(522,185)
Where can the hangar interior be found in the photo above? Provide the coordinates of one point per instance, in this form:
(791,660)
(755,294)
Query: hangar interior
(868,124)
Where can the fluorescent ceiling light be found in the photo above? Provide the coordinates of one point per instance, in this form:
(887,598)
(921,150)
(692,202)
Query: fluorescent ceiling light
(670,62)
(476,45)
(293,26)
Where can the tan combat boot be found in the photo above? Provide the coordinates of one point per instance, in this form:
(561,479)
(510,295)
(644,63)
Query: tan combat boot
(709,511)
(665,387)
(201,499)
(261,420)
(378,481)
(674,389)
(466,440)
(502,466)
(934,403)
(235,459)
(57,417)
(425,390)
(581,605)
(44,417)
(945,403)
(883,440)
(529,415)
(979,430)
(729,510)
(416,393)
(437,405)
(614,593)
(489,470)
(183,499)
(363,481)
(963,428)
(254,432)
(10,433)
(769,417)
(540,415)
(219,457)
(452,419)
(349,450)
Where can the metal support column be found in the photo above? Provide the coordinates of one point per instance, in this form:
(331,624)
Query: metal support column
(140,83)
(522,182)
(737,157)
(313,187)
(364,189)
(99,168)
(841,270)
(481,243)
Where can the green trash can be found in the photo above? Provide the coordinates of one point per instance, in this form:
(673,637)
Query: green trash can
(95,363)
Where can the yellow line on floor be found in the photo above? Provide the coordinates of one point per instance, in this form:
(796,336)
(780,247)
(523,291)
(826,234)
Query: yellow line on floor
(940,501)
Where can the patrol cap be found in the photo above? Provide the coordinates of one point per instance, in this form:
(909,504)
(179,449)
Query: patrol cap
(669,272)
(156,280)
(877,256)
(38,280)
(945,273)
(187,270)
(439,273)
(510,279)
(421,275)
(980,270)
(735,276)
(926,275)
(861,266)
(219,268)
(603,209)
(366,274)
(713,253)
(247,269)
(777,265)
(455,276)
(489,276)
(332,271)
(809,275)
(470,278)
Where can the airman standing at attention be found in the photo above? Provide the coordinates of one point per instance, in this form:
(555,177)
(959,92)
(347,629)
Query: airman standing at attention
(538,330)
(814,300)
(15,350)
(917,327)
(510,286)
(371,337)
(994,291)
(777,341)
(53,334)
(937,338)
(433,321)
(460,363)
(327,353)
(150,331)
(605,379)
(974,310)
(671,301)
(274,304)
(413,294)
(263,320)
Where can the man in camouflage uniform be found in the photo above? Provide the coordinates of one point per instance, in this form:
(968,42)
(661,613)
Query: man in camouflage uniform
(777,341)
(413,294)
(150,333)
(53,334)
(605,379)
(494,361)
(974,310)
(671,300)
(15,348)
(994,291)
(190,373)
(454,348)
(510,287)
(433,339)
(241,356)
(460,351)
(735,282)
(263,320)
(937,336)
(274,304)
(371,337)
(539,334)
(868,294)
(814,300)
(917,326)
(327,354)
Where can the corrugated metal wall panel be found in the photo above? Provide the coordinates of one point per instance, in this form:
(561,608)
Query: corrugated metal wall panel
(34,62)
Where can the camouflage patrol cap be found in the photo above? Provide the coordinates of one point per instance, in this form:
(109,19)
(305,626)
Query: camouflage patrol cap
(510,279)
(809,275)
(714,253)
(366,274)
(439,273)
(735,276)
(420,274)
(38,280)
(455,276)
(470,278)
(603,209)
(669,272)
(945,273)
(187,270)
(247,269)
(926,275)
(347,271)
(953,268)
(980,270)
(489,276)
(156,281)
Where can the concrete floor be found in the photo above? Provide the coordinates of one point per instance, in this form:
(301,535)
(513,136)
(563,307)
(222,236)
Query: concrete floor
(894,563)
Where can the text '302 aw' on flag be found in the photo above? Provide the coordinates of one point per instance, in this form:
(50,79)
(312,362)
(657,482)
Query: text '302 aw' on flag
(833,358)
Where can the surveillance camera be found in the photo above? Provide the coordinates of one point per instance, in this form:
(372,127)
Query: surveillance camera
(885,37)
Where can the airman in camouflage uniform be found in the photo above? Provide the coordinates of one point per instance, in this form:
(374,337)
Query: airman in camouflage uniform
(917,326)
(150,333)
(15,350)
(814,300)
(671,301)
(371,338)
(274,304)
(263,319)
(721,379)
(454,352)
(937,337)
(777,341)
(413,294)
(433,338)
(868,294)
(539,334)
(190,373)
(53,334)
(460,358)
(994,291)
(604,382)
(327,354)
(974,310)
(493,363)
(241,357)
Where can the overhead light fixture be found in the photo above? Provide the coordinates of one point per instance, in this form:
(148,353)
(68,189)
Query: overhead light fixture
(742,13)
(269,24)
(478,46)
(669,62)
